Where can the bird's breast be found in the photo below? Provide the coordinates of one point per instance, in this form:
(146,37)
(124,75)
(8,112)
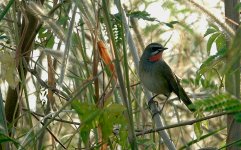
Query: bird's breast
(152,78)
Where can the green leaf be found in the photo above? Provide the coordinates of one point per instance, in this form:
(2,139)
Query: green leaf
(122,140)
(42,33)
(6,9)
(210,41)
(62,20)
(5,138)
(116,109)
(141,15)
(222,102)
(170,24)
(198,129)
(237,117)
(89,116)
(215,27)
(84,133)
(238,6)
(106,118)
(198,126)
(106,122)
(212,61)
(210,31)
(87,112)
(50,42)
(221,42)
(112,115)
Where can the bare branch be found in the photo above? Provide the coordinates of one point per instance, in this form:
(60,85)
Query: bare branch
(190,122)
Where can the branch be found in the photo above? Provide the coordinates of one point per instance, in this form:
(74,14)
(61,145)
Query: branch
(190,122)
(133,50)
(45,85)
(50,132)
(55,119)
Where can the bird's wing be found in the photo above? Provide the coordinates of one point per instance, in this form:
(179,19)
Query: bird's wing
(170,77)
(174,84)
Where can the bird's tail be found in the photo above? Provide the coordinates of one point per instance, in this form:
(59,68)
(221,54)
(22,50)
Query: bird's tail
(186,100)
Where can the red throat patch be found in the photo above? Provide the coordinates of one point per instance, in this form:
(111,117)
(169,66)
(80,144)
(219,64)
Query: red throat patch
(156,57)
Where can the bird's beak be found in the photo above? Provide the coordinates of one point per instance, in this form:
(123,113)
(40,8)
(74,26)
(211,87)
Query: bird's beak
(162,49)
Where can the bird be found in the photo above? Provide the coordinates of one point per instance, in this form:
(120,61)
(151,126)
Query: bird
(156,75)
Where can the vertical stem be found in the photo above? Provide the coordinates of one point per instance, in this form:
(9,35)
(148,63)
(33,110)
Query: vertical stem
(153,108)
(128,114)
(232,81)
(23,51)
(65,59)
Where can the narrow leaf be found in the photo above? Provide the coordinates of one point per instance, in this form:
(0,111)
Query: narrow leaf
(105,56)
(212,61)
(215,27)
(198,129)
(220,42)
(5,138)
(210,41)
(141,15)
(4,12)
(210,31)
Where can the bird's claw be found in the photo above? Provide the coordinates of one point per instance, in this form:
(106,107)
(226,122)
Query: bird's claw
(159,111)
(156,103)
(152,101)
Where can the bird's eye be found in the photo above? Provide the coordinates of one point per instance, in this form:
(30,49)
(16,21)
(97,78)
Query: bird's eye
(155,48)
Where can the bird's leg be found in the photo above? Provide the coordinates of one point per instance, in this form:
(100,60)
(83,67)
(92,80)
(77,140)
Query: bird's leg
(163,105)
(160,111)
(152,101)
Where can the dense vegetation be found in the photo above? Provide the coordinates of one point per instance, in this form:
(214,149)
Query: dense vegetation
(69,74)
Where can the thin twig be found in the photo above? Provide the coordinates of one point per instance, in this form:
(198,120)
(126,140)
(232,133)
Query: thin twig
(190,122)
(55,119)
(44,84)
(50,132)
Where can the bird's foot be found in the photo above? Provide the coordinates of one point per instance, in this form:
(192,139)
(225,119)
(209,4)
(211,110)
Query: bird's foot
(160,111)
(151,101)
(155,102)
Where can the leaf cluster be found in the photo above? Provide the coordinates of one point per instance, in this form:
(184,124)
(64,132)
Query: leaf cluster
(105,118)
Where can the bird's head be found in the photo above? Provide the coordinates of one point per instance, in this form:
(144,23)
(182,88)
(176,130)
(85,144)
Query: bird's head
(153,52)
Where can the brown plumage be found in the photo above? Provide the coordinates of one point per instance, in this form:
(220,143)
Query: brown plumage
(157,76)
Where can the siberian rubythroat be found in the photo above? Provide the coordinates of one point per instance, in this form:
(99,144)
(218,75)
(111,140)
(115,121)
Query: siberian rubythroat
(158,77)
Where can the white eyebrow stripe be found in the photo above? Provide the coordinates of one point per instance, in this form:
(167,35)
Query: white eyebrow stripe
(155,52)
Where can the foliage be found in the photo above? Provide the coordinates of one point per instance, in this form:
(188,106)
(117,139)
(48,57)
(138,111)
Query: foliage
(99,103)
(141,15)
(218,103)
(216,36)
(105,118)
(4,138)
